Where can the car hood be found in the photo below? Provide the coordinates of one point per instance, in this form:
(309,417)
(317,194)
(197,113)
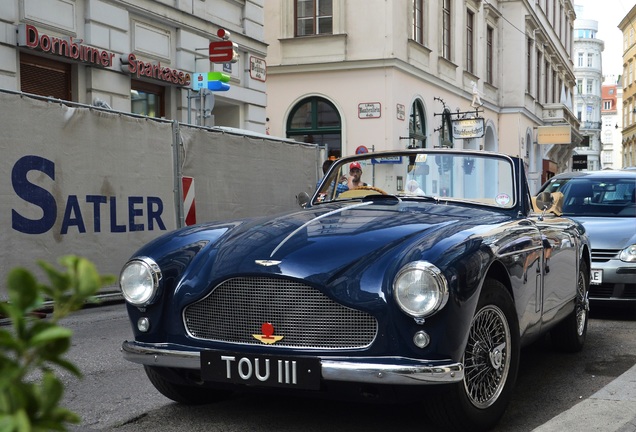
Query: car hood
(609,232)
(329,241)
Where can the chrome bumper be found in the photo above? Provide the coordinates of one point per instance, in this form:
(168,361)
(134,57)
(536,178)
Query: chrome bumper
(391,370)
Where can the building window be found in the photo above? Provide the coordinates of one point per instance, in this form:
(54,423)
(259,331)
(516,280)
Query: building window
(528,65)
(470,53)
(316,120)
(489,54)
(314,17)
(607,105)
(568,29)
(147,99)
(546,82)
(579,62)
(418,21)
(58,77)
(417,125)
(554,85)
(558,24)
(538,77)
(590,87)
(446,29)
(590,60)
(579,86)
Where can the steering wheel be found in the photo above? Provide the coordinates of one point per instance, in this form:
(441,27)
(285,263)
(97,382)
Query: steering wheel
(362,191)
(371,188)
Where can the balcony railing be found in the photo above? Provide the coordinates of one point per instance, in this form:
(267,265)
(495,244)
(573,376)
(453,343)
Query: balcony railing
(590,125)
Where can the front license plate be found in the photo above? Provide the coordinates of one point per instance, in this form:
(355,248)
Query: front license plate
(262,370)
(596,277)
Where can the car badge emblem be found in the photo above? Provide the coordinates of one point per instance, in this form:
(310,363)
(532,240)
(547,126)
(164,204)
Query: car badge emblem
(267,263)
(268,336)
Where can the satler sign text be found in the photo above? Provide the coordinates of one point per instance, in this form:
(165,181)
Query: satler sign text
(71,48)
(369,110)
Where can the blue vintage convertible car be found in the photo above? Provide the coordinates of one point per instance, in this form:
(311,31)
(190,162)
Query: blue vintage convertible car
(426,276)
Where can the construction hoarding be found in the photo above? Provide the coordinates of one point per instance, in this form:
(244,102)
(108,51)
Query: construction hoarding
(99,184)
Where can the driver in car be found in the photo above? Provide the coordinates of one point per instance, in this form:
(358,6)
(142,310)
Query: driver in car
(355,172)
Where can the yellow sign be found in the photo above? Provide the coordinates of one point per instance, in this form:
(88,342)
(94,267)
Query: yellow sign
(554,134)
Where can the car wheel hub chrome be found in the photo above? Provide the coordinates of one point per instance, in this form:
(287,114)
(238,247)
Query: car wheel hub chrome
(487,359)
(497,356)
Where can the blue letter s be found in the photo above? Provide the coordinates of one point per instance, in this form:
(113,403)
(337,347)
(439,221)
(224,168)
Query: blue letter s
(33,194)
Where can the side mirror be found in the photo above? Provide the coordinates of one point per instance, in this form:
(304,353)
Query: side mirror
(302,199)
(544,201)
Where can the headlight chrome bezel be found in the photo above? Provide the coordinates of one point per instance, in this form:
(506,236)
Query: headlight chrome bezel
(150,273)
(435,284)
(628,254)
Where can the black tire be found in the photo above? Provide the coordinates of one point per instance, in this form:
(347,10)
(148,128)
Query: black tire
(491,362)
(569,335)
(181,393)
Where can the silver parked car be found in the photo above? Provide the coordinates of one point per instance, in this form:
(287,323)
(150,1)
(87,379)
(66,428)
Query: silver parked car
(605,203)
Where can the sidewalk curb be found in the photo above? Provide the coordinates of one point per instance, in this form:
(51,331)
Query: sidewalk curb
(611,409)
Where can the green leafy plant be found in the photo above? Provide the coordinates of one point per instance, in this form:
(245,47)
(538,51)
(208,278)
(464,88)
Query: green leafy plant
(32,349)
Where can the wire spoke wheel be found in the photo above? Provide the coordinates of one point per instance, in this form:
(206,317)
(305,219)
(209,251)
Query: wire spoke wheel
(582,304)
(487,357)
(569,335)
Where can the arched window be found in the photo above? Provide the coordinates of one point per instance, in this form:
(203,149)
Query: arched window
(316,120)
(417,125)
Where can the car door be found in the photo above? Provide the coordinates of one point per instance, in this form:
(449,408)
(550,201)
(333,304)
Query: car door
(559,264)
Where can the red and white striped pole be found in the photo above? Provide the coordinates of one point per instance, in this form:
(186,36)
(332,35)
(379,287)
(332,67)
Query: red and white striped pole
(189,207)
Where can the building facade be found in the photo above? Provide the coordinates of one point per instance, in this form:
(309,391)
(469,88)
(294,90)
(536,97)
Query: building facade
(357,76)
(138,57)
(627,27)
(587,97)
(612,124)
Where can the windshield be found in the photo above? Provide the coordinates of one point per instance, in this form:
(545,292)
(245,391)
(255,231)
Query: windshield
(606,197)
(483,178)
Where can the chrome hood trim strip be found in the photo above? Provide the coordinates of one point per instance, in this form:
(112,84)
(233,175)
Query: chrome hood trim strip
(314,220)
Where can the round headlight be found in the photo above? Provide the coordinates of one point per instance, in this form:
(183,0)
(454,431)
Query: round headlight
(139,280)
(420,289)
(628,254)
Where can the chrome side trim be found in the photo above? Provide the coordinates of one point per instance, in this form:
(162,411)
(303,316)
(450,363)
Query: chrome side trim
(402,371)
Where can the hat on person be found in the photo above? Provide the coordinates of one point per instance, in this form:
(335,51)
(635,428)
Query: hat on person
(355,165)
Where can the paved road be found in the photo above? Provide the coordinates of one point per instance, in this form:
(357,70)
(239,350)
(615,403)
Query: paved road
(115,394)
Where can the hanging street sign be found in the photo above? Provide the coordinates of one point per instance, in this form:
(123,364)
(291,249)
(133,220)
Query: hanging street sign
(468,128)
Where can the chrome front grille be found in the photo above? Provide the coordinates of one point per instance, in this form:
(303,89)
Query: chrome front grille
(305,317)
(604,255)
